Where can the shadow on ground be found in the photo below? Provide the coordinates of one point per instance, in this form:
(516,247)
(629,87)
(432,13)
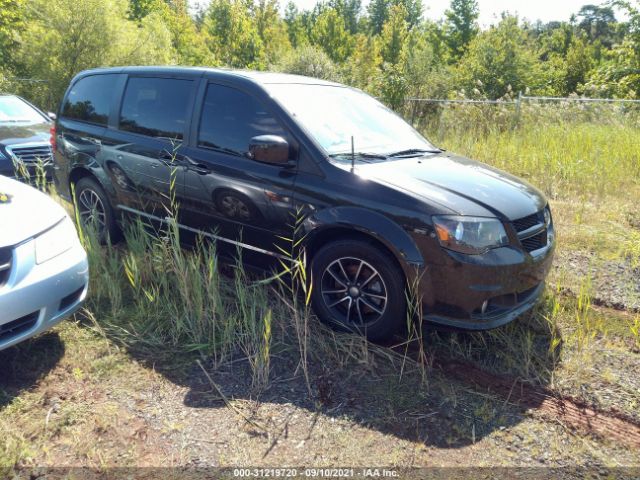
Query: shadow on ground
(391,396)
(23,365)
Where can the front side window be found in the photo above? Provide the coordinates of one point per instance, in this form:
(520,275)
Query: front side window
(90,98)
(156,107)
(231,118)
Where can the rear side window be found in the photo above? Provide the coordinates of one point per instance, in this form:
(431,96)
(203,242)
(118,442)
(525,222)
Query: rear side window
(90,98)
(156,107)
(230,118)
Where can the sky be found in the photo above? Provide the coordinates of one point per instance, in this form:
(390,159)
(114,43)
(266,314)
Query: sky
(545,10)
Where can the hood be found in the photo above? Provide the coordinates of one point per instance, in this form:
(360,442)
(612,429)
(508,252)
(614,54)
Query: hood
(465,186)
(16,133)
(25,212)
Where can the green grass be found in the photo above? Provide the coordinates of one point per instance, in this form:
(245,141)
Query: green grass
(156,306)
(571,161)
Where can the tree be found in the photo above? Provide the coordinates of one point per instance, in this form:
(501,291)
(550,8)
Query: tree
(379,11)
(363,67)
(188,43)
(394,36)
(579,62)
(11,24)
(309,61)
(498,61)
(63,37)
(232,35)
(619,74)
(271,29)
(296,28)
(598,22)
(349,10)
(329,32)
(138,9)
(461,25)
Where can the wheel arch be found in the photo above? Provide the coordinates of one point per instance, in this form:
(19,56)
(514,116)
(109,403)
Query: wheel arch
(356,223)
(79,172)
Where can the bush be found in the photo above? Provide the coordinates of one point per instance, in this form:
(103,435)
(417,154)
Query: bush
(309,61)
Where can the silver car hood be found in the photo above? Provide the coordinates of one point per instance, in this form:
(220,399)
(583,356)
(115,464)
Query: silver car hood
(25,212)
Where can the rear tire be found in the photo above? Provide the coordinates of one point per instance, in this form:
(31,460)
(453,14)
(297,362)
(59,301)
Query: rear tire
(95,211)
(358,288)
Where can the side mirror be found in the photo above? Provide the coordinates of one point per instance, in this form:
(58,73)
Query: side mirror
(51,115)
(269,149)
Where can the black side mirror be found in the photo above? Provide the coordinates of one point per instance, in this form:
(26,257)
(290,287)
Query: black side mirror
(269,149)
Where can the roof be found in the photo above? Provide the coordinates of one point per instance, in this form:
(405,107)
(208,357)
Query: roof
(254,76)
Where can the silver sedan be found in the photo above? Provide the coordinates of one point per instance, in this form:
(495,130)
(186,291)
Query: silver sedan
(44,274)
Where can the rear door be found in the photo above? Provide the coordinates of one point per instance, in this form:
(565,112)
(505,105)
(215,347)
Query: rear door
(227,192)
(142,154)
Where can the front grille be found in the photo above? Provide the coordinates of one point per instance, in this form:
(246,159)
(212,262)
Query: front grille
(536,242)
(31,155)
(16,327)
(525,223)
(5,265)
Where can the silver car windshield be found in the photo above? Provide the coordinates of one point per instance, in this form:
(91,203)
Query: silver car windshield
(14,110)
(333,114)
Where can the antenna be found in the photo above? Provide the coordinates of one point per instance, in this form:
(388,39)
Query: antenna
(353,156)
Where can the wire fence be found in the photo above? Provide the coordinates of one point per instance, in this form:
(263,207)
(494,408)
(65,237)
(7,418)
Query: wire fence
(437,114)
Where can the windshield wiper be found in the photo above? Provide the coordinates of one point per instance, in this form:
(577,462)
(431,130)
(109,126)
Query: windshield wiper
(360,155)
(413,152)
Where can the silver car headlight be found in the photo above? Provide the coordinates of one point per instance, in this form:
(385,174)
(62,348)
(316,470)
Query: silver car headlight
(55,241)
(469,235)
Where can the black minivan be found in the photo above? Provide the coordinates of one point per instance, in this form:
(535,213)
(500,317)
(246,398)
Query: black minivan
(245,152)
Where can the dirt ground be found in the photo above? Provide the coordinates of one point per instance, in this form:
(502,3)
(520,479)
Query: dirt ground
(75,398)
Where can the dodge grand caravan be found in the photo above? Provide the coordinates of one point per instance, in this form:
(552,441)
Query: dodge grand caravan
(383,208)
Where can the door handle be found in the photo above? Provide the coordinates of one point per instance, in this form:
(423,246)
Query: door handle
(194,166)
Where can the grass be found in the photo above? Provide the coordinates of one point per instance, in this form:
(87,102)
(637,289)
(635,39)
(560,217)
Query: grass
(158,315)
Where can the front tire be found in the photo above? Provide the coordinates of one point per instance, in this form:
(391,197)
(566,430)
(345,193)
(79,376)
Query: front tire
(95,211)
(359,288)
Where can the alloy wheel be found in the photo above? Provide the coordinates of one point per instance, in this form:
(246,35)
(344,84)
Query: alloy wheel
(354,291)
(92,211)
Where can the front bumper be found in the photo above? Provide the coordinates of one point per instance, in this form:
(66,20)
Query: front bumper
(37,297)
(485,291)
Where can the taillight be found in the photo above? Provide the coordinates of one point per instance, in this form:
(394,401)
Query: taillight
(52,140)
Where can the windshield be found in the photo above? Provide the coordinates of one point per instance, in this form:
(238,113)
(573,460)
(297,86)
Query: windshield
(15,110)
(333,114)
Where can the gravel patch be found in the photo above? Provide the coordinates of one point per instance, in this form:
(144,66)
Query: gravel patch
(614,283)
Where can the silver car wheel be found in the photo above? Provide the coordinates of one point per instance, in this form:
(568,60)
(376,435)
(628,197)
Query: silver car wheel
(354,291)
(92,211)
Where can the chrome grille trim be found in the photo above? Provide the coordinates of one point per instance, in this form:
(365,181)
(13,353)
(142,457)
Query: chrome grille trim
(30,153)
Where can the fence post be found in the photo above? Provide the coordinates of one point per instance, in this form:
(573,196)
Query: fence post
(413,112)
(518,109)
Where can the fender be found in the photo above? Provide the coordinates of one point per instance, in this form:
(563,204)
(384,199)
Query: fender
(88,166)
(372,224)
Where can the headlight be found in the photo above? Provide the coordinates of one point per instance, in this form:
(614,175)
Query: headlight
(56,241)
(470,235)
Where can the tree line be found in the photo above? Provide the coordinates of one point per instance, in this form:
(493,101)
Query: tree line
(387,49)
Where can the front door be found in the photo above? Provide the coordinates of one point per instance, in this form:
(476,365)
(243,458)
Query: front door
(226,192)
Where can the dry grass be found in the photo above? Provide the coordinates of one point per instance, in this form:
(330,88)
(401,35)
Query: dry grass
(125,374)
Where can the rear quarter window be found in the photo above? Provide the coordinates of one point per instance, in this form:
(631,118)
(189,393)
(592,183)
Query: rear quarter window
(90,98)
